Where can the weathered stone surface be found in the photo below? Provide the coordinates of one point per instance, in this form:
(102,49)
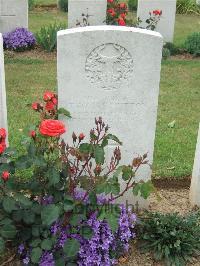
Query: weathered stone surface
(167,21)
(13,14)
(112,72)
(3,108)
(86,13)
(195,182)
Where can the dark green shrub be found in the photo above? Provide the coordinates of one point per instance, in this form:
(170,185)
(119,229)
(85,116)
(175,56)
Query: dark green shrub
(31,4)
(171,237)
(187,6)
(63,5)
(47,36)
(192,44)
(165,53)
(173,49)
(132,5)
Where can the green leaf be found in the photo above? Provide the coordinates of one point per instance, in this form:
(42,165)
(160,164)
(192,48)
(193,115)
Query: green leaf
(110,137)
(36,254)
(23,200)
(63,111)
(93,198)
(53,176)
(24,162)
(112,220)
(2,245)
(36,231)
(9,204)
(60,262)
(8,231)
(127,172)
(75,219)
(146,189)
(50,214)
(68,204)
(86,232)
(17,215)
(28,217)
(86,148)
(35,243)
(71,247)
(99,154)
(47,244)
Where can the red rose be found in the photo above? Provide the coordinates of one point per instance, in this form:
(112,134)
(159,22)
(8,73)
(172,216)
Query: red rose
(110,1)
(32,133)
(157,12)
(54,100)
(52,128)
(2,147)
(35,106)
(49,106)
(110,10)
(122,5)
(123,15)
(48,96)
(5,176)
(81,136)
(121,22)
(2,133)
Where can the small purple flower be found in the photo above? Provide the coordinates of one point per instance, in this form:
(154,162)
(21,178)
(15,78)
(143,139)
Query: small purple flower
(21,249)
(46,200)
(26,260)
(19,40)
(47,259)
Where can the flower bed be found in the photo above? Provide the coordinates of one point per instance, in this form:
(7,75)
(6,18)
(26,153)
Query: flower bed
(66,211)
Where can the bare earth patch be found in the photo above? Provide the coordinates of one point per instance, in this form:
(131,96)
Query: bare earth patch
(172,200)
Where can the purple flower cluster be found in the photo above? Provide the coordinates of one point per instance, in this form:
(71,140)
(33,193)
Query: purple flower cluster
(102,248)
(19,40)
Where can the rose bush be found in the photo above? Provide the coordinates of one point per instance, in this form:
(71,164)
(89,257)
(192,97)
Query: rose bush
(65,211)
(116,13)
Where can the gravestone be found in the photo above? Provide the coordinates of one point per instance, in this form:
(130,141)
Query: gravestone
(13,14)
(3,108)
(198,2)
(195,182)
(112,72)
(86,13)
(167,22)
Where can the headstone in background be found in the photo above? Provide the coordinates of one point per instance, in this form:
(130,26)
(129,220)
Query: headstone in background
(3,107)
(112,72)
(167,22)
(195,182)
(198,2)
(13,14)
(86,13)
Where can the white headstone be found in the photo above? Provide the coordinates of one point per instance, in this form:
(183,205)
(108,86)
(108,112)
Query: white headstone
(86,13)
(198,2)
(167,22)
(3,107)
(13,14)
(112,72)
(195,182)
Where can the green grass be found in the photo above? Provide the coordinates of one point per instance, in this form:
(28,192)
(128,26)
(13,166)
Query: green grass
(27,77)
(45,2)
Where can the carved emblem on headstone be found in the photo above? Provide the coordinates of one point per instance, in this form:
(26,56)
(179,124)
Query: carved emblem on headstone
(109,66)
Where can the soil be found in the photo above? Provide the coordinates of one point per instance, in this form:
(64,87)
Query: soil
(172,200)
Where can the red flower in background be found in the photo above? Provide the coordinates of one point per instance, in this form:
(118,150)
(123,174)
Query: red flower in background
(121,22)
(48,95)
(5,176)
(110,1)
(52,128)
(2,133)
(157,12)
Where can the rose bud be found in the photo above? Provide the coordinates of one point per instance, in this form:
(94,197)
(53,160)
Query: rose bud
(74,137)
(5,176)
(97,169)
(49,106)
(32,134)
(2,133)
(81,137)
(35,106)
(48,95)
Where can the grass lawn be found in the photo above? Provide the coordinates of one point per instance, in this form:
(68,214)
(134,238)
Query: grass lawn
(28,76)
